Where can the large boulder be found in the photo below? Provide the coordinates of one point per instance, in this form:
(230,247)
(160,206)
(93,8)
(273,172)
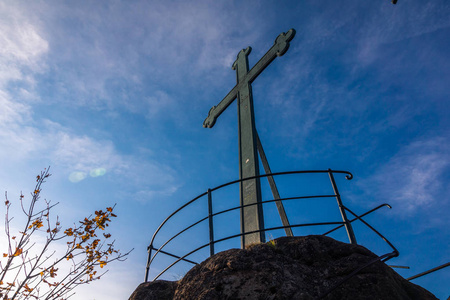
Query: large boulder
(287,268)
(155,290)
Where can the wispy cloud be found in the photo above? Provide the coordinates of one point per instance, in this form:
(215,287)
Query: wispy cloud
(390,25)
(30,49)
(412,178)
(108,65)
(22,46)
(71,153)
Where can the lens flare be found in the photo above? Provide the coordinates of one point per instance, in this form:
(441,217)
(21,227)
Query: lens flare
(77,176)
(97,172)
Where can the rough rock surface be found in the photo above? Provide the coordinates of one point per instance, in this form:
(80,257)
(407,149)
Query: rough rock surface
(156,290)
(287,268)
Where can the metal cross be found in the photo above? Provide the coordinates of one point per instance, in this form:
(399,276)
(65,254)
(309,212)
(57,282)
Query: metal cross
(250,190)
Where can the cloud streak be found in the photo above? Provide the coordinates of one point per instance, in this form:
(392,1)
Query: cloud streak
(26,57)
(22,46)
(412,178)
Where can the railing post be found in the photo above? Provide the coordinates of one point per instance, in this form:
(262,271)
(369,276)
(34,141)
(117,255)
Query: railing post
(347,224)
(211,225)
(147,269)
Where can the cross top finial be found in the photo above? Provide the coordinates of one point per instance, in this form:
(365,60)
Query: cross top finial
(241,56)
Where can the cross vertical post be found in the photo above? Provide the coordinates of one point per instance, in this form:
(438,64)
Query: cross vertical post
(252,217)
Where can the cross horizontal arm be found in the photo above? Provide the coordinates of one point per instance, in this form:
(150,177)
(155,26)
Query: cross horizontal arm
(215,111)
(279,48)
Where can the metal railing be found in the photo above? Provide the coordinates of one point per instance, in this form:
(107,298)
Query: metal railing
(346,223)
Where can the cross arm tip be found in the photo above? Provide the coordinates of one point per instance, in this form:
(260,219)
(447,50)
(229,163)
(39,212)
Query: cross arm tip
(291,34)
(282,41)
(211,119)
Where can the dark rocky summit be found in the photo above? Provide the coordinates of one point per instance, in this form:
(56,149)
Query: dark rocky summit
(287,268)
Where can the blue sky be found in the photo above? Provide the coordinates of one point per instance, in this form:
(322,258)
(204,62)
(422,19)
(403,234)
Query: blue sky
(112,96)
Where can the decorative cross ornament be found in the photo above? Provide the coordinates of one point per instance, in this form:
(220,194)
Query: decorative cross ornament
(252,219)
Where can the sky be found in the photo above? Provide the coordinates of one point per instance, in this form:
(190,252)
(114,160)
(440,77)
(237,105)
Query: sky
(112,96)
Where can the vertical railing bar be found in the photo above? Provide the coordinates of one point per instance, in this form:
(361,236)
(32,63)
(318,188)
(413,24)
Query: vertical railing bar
(147,269)
(211,224)
(347,224)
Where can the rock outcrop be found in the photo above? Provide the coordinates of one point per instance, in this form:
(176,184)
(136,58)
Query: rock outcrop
(287,268)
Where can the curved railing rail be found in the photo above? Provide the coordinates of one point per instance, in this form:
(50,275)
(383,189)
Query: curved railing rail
(347,223)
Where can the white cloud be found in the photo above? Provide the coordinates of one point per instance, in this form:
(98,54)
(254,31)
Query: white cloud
(101,64)
(21,56)
(12,112)
(77,156)
(22,46)
(19,140)
(413,177)
(83,153)
(21,43)
(24,139)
